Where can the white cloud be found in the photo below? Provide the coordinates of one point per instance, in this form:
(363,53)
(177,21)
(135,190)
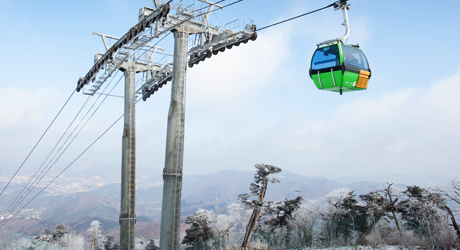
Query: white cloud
(19,106)
(397,147)
(409,129)
(241,71)
(401,132)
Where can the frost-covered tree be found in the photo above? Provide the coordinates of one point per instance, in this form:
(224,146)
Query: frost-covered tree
(31,243)
(451,193)
(200,229)
(337,213)
(258,188)
(373,207)
(46,231)
(391,193)
(277,221)
(97,240)
(108,243)
(139,243)
(230,226)
(59,231)
(60,237)
(227,223)
(46,235)
(151,245)
(72,241)
(305,219)
(52,237)
(422,211)
(409,207)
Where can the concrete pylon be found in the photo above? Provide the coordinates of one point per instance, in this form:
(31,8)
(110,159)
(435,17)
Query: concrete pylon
(128,167)
(172,173)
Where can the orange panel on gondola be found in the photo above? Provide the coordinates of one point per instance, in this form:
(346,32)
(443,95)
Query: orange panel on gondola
(363,79)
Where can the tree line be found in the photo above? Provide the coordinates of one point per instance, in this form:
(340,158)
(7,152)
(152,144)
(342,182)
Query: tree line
(62,238)
(389,215)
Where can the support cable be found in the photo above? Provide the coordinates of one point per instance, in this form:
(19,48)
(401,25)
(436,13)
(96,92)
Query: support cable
(80,130)
(43,163)
(36,144)
(292,18)
(48,167)
(84,151)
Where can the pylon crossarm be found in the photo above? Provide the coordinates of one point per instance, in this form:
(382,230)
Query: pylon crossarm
(226,39)
(157,81)
(131,41)
(174,21)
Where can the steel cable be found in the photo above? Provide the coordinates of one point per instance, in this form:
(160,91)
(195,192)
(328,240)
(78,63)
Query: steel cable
(43,163)
(36,144)
(77,135)
(84,151)
(292,18)
(48,167)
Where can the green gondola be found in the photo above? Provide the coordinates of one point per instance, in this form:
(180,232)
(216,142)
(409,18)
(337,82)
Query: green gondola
(340,68)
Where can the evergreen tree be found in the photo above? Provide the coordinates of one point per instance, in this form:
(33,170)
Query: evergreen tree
(374,207)
(46,235)
(108,243)
(151,246)
(338,216)
(282,214)
(425,213)
(46,231)
(258,188)
(59,231)
(200,228)
(410,208)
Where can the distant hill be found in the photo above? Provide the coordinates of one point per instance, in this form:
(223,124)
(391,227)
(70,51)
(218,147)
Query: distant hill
(88,204)
(415,179)
(198,191)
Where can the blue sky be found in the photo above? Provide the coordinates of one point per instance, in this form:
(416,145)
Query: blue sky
(252,104)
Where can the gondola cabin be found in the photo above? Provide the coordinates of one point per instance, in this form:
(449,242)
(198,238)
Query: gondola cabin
(340,68)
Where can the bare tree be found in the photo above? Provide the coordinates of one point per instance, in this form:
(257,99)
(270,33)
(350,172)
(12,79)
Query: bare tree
(258,188)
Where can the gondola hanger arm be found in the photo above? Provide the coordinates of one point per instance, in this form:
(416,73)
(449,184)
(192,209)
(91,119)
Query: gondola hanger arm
(344,6)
